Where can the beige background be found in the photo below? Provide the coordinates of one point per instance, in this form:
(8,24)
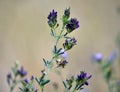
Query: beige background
(24,36)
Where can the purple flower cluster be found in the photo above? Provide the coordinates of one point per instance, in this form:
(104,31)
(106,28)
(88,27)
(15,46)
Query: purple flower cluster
(16,76)
(59,55)
(27,81)
(83,77)
(52,18)
(79,81)
(28,85)
(69,43)
(70,81)
(72,25)
(22,72)
(98,57)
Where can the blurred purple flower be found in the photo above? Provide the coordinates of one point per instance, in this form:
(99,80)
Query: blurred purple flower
(97,57)
(26,80)
(22,72)
(9,76)
(112,57)
(32,78)
(64,55)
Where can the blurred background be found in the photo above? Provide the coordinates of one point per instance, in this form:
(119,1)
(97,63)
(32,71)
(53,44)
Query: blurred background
(25,36)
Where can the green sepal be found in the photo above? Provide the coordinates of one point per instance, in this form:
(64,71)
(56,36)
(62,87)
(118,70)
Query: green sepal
(54,49)
(37,80)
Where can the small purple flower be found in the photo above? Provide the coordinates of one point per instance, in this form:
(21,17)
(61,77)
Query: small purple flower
(32,78)
(26,80)
(97,57)
(86,83)
(52,18)
(69,43)
(64,55)
(83,76)
(72,25)
(9,76)
(22,72)
(70,81)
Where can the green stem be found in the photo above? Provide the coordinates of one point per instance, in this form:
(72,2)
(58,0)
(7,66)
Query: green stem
(42,89)
(52,59)
(58,38)
(14,83)
(12,87)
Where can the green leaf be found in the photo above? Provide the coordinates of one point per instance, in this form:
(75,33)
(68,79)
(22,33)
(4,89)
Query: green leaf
(45,82)
(37,80)
(60,53)
(64,84)
(55,49)
(69,87)
(59,50)
(107,73)
(45,62)
(42,77)
(52,32)
(14,70)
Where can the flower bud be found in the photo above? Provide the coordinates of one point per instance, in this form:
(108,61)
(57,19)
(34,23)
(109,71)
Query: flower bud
(66,16)
(52,19)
